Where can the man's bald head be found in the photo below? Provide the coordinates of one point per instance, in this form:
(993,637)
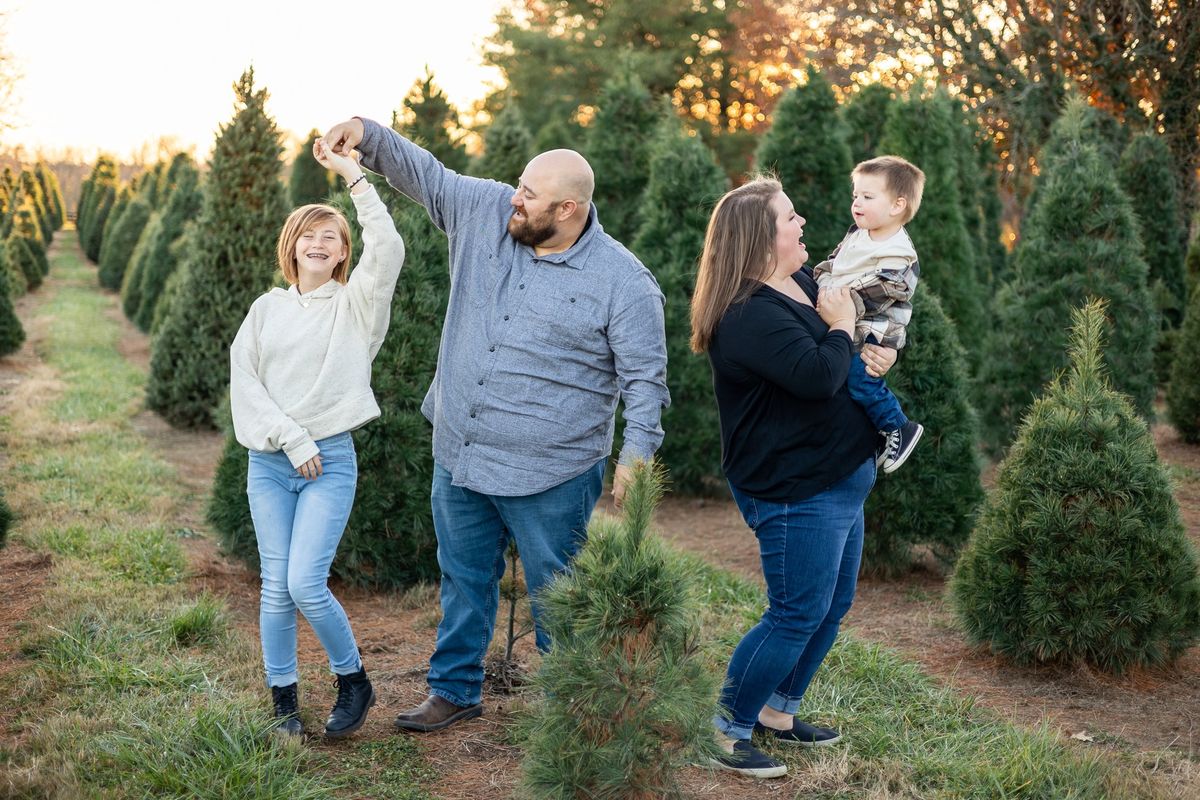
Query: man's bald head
(564,174)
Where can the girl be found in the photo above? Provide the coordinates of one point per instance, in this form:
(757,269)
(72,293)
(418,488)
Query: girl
(301,372)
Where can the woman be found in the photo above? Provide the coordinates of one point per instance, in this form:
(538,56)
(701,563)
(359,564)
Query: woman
(301,372)
(799,455)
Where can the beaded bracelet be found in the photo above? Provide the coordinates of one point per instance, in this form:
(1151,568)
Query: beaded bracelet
(356,181)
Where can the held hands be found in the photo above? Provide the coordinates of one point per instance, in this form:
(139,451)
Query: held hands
(311,469)
(344,165)
(345,136)
(878,359)
(836,307)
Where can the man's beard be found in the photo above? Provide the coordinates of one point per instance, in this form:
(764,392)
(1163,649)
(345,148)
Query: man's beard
(531,232)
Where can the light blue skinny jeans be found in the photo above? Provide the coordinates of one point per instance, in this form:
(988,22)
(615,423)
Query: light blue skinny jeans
(298,524)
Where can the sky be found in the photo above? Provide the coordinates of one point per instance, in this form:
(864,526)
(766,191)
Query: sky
(118,75)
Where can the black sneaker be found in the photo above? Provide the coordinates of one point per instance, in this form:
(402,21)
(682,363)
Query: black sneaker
(287,710)
(801,733)
(900,445)
(355,697)
(748,760)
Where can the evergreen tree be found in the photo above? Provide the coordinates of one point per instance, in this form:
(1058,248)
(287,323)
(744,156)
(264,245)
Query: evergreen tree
(685,181)
(806,147)
(927,132)
(864,115)
(1191,265)
(103,174)
(978,187)
(1080,240)
(12,270)
(428,120)
(309,182)
(1147,176)
(104,197)
(389,540)
(6,519)
(21,256)
(243,209)
(507,148)
(617,148)
(25,225)
(1080,554)
(124,198)
(12,334)
(116,252)
(933,501)
(155,260)
(53,193)
(558,134)
(627,696)
(1183,392)
(32,189)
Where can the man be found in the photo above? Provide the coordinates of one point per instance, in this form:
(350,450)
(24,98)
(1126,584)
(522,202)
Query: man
(550,322)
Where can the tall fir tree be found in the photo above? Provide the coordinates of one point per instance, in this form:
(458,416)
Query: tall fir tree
(243,209)
(864,114)
(1183,390)
(1191,263)
(32,189)
(21,257)
(1080,554)
(1080,240)
(13,270)
(156,259)
(309,181)
(104,173)
(978,186)
(389,540)
(932,501)
(927,132)
(627,698)
(685,182)
(104,197)
(52,189)
(118,246)
(507,148)
(1147,175)
(12,334)
(617,148)
(806,147)
(430,120)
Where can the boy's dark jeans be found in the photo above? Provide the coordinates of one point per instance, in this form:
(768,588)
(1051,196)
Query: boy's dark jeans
(875,397)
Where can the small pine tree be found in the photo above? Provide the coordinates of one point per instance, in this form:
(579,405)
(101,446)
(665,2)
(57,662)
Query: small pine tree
(1079,240)
(1183,392)
(685,181)
(53,193)
(25,225)
(239,223)
(158,259)
(309,182)
(12,270)
(806,147)
(32,189)
(932,502)
(507,148)
(104,197)
(928,132)
(21,256)
(626,117)
(12,334)
(428,119)
(119,243)
(1080,554)
(864,114)
(627,696)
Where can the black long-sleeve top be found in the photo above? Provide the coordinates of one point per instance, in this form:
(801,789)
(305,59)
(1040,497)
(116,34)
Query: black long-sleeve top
(789,429)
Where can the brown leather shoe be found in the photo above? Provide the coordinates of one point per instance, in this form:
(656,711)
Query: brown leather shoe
(434,714)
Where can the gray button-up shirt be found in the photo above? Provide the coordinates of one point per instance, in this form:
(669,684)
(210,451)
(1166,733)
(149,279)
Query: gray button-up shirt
(536,351)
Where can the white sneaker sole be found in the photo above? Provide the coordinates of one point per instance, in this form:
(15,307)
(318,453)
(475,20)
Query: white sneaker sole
(759,772)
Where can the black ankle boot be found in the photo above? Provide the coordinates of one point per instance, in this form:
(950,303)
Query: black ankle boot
(287,710)
(355,696)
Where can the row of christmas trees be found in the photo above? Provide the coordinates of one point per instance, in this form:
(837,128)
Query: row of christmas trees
(656,180)
(31,210)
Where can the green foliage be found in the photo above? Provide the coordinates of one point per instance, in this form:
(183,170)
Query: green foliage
(1080,554)
(12,334)
(1079,241)
(1183,392)
(864,114)
(120,241)
(6,519)
(155,259)
(684,183)
(978,186)
(429,119)
(309,182)
(1147,175)
(12,271)
(52,191)
(806,147)
(928,132)
(20,254)
(243,209)
(103,174)
(933,499)
(507,148)
(104,197)
(617,148)
(31,188)
(628,699)
(389,540)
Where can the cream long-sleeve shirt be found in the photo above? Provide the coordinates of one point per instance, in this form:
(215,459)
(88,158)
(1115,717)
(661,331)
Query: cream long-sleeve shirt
(301,364)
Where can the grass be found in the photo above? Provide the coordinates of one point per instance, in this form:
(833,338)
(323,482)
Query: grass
(136,687)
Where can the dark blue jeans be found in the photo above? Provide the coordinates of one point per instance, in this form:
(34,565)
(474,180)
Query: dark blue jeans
(875,397)
(810,552)
(473,530)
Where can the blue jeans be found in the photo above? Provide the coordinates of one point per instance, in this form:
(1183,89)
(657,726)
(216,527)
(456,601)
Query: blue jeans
(473,530)
(875,397)
(810,552)
(299,523)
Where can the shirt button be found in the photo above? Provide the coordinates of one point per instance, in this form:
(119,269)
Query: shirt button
(572,299)
(473,415)
(481,381)
(492,349)
(522,286)
(466,444)
(506,317)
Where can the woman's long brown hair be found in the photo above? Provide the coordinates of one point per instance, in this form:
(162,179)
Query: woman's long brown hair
(738,255)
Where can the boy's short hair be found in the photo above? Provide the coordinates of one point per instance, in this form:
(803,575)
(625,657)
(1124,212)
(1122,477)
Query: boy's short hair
(903,179)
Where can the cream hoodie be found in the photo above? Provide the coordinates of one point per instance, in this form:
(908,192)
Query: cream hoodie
(301,364)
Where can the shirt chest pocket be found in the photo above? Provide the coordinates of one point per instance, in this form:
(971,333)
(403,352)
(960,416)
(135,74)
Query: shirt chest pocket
(565,318)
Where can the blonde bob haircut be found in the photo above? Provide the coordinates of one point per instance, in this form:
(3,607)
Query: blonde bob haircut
(738,256)
(301,220)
